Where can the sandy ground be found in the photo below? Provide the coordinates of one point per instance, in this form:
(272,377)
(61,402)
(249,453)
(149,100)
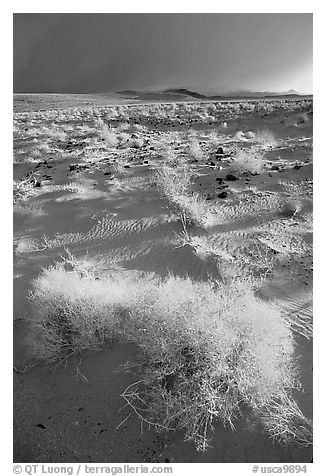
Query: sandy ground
(76,191)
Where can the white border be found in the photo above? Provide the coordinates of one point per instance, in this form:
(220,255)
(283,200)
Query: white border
(319,193)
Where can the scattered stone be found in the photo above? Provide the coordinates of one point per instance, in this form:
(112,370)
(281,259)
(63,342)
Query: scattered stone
(222,195)
(40,425)
(231,177)
(79,167)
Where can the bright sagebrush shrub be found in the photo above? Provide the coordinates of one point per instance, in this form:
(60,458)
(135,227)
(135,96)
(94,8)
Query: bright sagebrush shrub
(23,189)
(124,137)
(109,136)
(123,126)
(194,150)
(111,114)
(75,312)
(264,137)
(175,183)
(69,315)
(207,349)
(249,161)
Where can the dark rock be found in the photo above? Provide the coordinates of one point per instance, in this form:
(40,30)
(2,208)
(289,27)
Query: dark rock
(219,180)
(219,151)
(73,167)
(37,184)
(275,167)
(222,195)
(231,177)
(297,167)
(127,166)
(212,163)
(40,425)
(107,173)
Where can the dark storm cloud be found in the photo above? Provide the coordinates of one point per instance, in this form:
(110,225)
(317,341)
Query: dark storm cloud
(109,52)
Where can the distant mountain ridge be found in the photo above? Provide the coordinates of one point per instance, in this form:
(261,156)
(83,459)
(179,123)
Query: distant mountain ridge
(184,93)
(248,93)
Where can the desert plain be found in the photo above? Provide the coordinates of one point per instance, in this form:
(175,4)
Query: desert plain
(127,211)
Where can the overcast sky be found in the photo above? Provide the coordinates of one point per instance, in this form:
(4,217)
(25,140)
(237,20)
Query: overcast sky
(208,52)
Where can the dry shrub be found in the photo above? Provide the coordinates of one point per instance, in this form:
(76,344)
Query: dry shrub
(23,189)
(109,136)
(203,245)
(207,350)
(248,162)
(175,183)
(195,150)
(74,311)
(265,138)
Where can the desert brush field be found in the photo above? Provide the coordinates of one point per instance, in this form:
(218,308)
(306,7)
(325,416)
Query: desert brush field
(162,280)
